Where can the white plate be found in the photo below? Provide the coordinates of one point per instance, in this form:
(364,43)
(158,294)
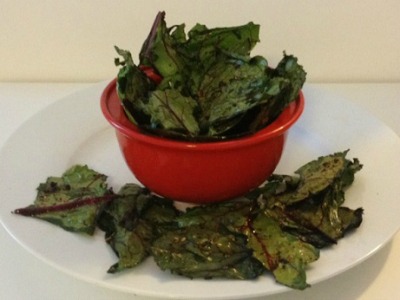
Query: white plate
(73,130)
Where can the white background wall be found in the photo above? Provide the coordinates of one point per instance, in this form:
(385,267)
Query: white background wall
(72,40)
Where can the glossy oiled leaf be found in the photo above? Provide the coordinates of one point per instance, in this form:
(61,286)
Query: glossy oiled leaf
(198,252)
(207,46)
(170,110)
(230,89)
(71,201)
(351,219)
(295,75)
(132,88)
(231,214)
(316,215)
(237,39)
(158,49)
(315,176)
(216,90)
(131,223)
(265,231)
(326,216)
(131,246)
(324,210)
(283,254)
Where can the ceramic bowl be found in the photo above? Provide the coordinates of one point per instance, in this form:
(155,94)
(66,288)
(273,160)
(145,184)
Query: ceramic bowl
(199,172)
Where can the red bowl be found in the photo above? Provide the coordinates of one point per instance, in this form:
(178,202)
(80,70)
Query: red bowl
(199,172)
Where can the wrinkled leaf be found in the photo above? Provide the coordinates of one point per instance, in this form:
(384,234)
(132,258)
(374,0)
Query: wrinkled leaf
(286,81)
(132,88)
(71,201)
(131,223)
(289,69)
(231,214)
(315,176)
(310,205)
(231,89)
(238,39)
(197,252)
(170,110)
(206,47)
(283,254)
(241,238)
(158,49)
(211,88)
(325,217)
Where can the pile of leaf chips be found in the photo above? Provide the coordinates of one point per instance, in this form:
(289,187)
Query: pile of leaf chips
(204,85)
(276,228)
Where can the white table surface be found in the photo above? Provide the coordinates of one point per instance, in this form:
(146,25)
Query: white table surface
(23,276)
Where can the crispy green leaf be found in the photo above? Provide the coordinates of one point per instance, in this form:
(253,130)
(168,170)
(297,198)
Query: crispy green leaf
(131,223)
(231,214)
(230,89)
(283,254)
(71,201)
(216,89)
(158,49)
(170,110)
(324,217)
(238,39)
(295,75)
(132,88)
(315,176)
(198,252)
(310,206)
(205,47)
(351,219)
(241,238)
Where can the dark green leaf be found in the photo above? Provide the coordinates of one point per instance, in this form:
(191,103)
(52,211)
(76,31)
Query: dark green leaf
(158,49)
(170,110)
(132,88)
(232,215)
(71,201)
(216,90)
(198,252)
(351,219)
(283,254)
(315,177)
(316,215)
(132,222)
(295,75)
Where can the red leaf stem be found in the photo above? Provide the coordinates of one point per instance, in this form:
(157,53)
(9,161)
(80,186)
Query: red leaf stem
(37,210)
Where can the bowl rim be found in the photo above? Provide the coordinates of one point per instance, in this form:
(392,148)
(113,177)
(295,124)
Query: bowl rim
(114,113)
